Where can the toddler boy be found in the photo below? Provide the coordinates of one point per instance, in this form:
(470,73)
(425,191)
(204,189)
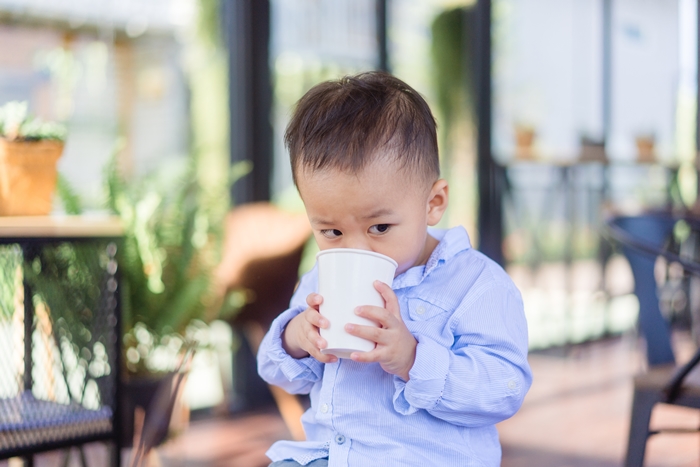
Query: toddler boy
(451,348)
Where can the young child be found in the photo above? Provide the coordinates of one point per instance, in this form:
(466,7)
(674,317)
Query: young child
(451,348)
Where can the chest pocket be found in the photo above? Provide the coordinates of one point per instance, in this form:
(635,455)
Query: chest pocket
(420,310)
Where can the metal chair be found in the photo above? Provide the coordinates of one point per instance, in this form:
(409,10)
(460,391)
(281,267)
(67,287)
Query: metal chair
(153,425)
(59,346)
(643,239)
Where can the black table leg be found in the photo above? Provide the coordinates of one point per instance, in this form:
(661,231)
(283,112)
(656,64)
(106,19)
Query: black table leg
(28,330)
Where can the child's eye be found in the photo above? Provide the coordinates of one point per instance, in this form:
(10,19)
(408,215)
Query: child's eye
(379,228)
(331,233)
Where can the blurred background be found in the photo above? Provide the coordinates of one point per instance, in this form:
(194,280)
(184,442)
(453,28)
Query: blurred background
(553,115)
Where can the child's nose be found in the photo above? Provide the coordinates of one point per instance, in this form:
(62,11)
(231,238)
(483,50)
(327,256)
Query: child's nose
(357,243)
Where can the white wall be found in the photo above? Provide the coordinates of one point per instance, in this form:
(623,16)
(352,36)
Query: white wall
(644,76)
(548,74)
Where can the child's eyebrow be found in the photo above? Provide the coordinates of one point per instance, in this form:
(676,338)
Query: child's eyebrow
(319,221)
(372,215)
(378,213)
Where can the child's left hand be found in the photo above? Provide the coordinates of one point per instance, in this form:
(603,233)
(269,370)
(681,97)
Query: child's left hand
(396,346)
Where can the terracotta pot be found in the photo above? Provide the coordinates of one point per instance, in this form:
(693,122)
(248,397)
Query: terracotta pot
(28,176)
(645,149)
(524,142)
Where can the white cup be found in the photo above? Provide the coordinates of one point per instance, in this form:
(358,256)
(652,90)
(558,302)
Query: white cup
(345,281)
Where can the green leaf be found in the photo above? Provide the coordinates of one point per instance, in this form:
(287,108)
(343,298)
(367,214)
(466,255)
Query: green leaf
(184,305)
(16,123)
(68,196)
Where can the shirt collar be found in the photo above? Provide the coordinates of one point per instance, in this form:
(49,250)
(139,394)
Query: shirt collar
(452,241)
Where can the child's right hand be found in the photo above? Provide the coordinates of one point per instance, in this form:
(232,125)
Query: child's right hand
(301,337)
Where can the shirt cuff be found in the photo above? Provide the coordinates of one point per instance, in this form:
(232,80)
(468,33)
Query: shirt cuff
(307,368)
(427,378)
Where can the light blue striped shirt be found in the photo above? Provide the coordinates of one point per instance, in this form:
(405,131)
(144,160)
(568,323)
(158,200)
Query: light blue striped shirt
(470,373)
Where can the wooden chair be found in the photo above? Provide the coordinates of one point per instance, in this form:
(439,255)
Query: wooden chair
(263,249)
(643,239)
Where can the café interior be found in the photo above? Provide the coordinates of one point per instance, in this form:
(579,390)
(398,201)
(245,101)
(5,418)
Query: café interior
(145,256)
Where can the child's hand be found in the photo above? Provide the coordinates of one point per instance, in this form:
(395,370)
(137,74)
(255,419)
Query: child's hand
(396,346)
(301,337)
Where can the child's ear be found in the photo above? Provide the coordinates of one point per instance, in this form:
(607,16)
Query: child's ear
(437,201)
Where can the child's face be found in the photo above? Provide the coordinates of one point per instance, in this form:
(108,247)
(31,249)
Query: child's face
(381,210)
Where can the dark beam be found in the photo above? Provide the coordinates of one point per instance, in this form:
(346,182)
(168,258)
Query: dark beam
(697,92)
(607,68)
(28,333)
(247,35)
(382,47)
(490,176)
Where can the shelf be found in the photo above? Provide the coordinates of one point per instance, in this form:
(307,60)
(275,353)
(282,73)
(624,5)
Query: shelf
(580,163)
(59,226)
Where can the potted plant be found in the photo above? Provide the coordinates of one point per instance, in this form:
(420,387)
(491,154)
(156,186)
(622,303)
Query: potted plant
(29,151)
(645,143)
(166,259)
(170,249)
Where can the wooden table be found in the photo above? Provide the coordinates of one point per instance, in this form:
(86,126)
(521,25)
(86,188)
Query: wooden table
(47,228)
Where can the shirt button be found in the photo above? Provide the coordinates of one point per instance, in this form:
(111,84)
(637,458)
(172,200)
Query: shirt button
(324,408)
(420,310)
(340,439)
(512,384)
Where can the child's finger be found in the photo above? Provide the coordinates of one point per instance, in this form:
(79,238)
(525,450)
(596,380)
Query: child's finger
(315,339)
(365,357)
(314,300)
(370,333)
(377,314)
(322,357)
(390,299)
(315,344)
(316,319)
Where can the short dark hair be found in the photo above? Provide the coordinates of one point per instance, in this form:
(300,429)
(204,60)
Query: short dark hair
(341,124)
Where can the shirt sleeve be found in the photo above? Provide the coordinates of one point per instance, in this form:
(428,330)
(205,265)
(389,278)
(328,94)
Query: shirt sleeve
(483,378)
(275,365)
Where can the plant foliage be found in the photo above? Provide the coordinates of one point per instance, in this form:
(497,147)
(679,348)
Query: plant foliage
(69,278)
(452,52)
(170,248)
(17,124)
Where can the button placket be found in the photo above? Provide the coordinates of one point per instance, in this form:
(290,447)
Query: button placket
(339,449)
(324,409)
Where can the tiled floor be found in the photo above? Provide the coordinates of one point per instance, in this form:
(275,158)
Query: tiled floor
(575,415)
(225,443)
(577,412)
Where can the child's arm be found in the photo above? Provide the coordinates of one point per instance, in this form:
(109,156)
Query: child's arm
(483,378)
(275,364)
(480,380)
